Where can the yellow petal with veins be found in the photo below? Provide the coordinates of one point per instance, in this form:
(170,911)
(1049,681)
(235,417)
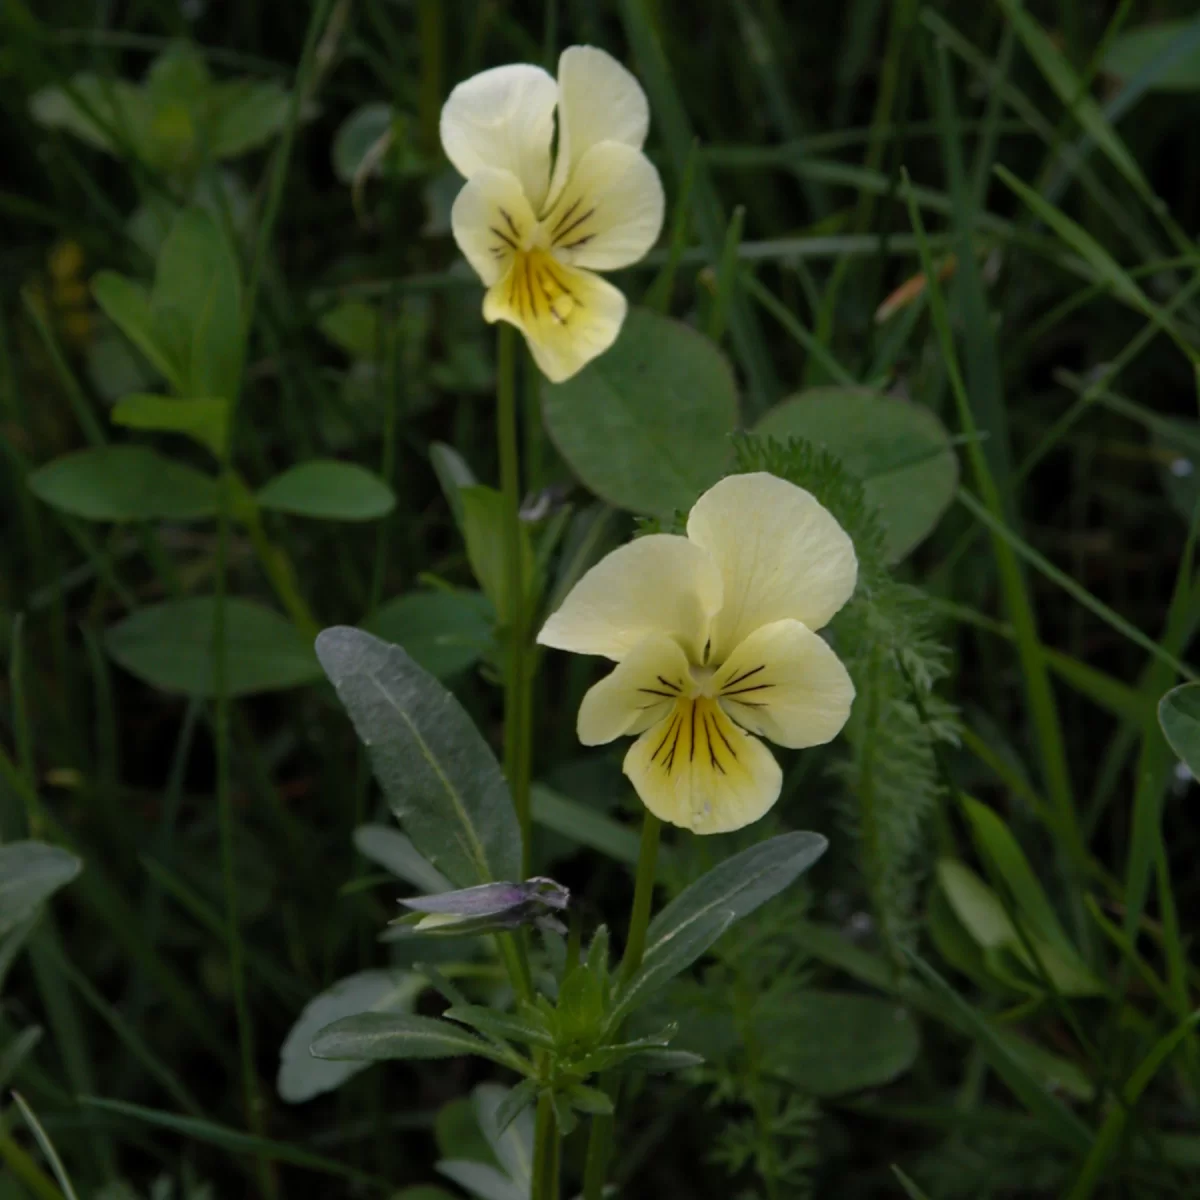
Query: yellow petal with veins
(785,683)
(657,584)
(611,211)
(599,101)
(698,770)
(491,219)
(503,118)
(781,553)
(568,316)
(637,694)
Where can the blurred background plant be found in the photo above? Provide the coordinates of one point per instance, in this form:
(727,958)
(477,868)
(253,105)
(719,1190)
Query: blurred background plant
(246,391)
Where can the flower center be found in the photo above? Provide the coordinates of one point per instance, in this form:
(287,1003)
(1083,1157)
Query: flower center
(538,287)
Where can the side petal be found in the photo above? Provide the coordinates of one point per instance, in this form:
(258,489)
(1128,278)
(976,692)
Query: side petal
(611,211)
(568,316)
(785,683)
(698,770)
(781,554)
(503,118)
(491,219)
(659,584)
(639,692)
(599,101)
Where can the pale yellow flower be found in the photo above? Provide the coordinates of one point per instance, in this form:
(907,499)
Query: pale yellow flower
(714,636)
(534,229)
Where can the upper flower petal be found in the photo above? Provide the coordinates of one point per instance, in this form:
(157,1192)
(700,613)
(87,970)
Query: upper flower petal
(658,584)
(638,693)
(780,552)
(697,769)
(503,118)
(611,211)
(599,101)
(491,217)
(568,316)
(785,683)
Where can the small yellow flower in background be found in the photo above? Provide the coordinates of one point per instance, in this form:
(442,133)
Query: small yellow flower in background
(535,230)
(714,639)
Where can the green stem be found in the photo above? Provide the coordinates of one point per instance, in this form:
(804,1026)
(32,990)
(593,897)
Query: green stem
(600,1137)
(26,1169)
(643,895)
(516,676)
(273,559)
(545,1152)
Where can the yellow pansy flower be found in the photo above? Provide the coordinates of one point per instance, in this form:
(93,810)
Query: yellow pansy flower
(534,230)
(714,636)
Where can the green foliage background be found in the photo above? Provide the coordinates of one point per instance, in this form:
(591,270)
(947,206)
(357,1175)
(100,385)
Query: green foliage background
(986,987)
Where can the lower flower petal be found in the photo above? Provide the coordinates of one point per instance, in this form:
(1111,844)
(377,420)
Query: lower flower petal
(568,316)
(784,682)
(637,694)
(698,770)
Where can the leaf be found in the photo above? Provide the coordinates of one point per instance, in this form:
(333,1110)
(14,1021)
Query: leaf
(1133,51)
(482,1180)
(519,1099)
(1179,716)
(127,305)
(124,483)
(118,106)
(31,872)
(195,1129)
(899,450)
(361,130)
(301,1076)
(356,328)
(445,631)
(378,1036)
(329,490)
(205,419)
(833,1043)
(245,114)
(1070,974)
(646,425)
(483,530)
(438,774)
(502,1025)
(170,646)
(584,825)
(453,475)
(511,1139)
(1058,1121)
(396,853)
(196,304)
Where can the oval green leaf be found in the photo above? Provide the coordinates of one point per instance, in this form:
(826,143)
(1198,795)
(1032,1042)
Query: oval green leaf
(171,647)
(440,777)
(205,419)
(446,632)
(1134,51)
(30,872)
(834,1043)
(899,451)
(124,483)
(1179,716)
(329,490)
(646,425)
(301,1076)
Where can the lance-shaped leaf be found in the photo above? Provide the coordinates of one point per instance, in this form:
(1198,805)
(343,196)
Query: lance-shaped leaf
(694,920)
(442,781)
(378,1036)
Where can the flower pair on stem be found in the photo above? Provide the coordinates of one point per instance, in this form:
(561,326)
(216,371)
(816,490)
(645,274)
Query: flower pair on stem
(714,633)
